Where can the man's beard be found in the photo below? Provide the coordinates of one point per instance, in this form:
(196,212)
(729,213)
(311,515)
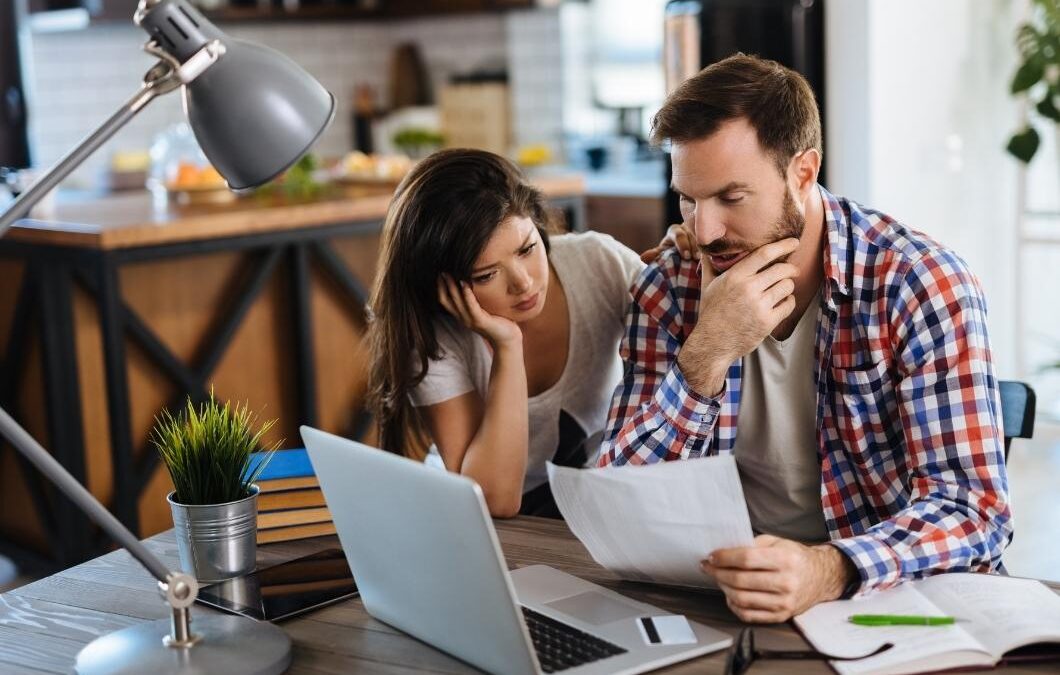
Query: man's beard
(789,224)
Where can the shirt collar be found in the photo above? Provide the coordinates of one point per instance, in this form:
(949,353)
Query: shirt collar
(837,254)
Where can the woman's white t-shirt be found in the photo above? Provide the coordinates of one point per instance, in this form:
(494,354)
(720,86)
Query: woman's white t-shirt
(596,273)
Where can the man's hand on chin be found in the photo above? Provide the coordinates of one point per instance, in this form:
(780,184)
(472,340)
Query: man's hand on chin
(776,578)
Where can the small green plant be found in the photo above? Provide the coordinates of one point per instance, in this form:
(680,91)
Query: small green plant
(298,183)
(417,141)
(208,451)
(1039,46)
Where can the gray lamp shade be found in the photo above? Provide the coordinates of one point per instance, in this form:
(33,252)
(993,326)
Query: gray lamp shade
(255,113)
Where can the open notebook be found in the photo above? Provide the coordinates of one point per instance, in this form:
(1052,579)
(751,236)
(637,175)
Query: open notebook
(996,615)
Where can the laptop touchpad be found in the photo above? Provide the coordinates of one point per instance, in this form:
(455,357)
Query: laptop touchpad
(595,608)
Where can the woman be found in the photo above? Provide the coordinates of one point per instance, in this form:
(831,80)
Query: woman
(493,340)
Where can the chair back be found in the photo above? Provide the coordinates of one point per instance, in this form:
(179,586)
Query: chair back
(1017,410)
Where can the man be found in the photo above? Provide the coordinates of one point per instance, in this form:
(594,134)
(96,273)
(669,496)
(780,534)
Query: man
(839,356)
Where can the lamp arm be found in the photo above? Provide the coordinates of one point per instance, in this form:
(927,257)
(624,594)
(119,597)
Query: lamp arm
(178,588)
(82,498)
(162,78)
(25,201)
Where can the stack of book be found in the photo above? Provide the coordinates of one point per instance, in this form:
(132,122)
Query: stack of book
(290,504)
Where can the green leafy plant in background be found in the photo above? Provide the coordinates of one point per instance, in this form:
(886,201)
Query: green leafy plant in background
(1039,46)
(207,451)
(298,183)
(417,142)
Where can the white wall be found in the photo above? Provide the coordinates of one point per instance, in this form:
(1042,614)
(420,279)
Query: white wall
(919,114)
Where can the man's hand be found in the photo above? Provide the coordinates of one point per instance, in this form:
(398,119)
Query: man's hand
(776,578)
(737,310)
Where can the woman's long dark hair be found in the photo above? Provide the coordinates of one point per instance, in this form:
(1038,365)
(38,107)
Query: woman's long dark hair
(440,219)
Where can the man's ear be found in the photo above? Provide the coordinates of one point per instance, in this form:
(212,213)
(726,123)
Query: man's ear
(803,170)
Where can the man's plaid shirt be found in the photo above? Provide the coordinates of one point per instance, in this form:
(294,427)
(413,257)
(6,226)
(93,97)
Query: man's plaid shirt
(909,434)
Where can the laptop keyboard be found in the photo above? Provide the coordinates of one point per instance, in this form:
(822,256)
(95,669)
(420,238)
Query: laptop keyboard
(560,646)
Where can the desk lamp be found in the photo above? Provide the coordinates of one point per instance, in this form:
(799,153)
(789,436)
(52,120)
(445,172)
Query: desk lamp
(254,112)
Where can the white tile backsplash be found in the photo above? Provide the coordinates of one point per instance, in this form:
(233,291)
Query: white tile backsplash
(535,72)
(79,78)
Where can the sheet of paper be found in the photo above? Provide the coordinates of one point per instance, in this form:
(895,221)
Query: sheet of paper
(655,523)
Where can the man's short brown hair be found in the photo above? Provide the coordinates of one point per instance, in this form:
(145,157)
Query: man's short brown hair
(777,102)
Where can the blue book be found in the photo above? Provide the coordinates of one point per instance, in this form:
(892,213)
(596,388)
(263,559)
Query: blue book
(293,463)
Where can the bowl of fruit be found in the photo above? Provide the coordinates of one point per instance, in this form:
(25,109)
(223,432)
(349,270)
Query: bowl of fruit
(181,173)
(358,168)
(197,184)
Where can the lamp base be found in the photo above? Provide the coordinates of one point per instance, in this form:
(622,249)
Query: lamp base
(228,644)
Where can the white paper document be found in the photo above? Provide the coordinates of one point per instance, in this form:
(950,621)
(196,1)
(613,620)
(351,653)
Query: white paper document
(657,522)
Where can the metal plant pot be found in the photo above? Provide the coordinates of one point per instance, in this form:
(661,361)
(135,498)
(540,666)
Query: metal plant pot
(217,541)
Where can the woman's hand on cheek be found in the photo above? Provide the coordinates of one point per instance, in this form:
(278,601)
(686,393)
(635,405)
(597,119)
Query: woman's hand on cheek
(459,300)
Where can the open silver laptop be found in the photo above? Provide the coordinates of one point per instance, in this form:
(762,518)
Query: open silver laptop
(426,560)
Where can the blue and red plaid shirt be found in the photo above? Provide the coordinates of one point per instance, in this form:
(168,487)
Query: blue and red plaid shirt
(909,433)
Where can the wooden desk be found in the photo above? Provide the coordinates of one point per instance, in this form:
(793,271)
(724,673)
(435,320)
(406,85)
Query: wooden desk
(119,309)
(43,625)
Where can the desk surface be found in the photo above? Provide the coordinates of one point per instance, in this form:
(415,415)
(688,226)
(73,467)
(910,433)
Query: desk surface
(45,624)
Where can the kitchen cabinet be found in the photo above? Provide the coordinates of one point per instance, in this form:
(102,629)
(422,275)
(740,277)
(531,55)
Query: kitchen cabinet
(118,11)
(98,10)
(635,221)
(367,10)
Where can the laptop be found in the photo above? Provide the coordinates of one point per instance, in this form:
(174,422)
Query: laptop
(425,556)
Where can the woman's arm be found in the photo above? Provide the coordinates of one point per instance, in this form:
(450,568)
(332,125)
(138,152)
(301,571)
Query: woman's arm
(486,440)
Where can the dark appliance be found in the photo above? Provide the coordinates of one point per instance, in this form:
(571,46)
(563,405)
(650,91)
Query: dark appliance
(14,140)
(702,32)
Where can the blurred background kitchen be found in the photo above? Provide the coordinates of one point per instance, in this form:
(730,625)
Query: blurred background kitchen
(916,105)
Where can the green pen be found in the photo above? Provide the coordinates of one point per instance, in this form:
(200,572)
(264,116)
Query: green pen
(900,620)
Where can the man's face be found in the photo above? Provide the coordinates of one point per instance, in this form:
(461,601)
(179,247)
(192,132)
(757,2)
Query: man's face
(732,195)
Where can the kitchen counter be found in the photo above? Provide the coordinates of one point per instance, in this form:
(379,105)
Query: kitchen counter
(131,220)
(639,179)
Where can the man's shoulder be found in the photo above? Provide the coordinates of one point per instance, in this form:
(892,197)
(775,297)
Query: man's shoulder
(886,250)
(670,273)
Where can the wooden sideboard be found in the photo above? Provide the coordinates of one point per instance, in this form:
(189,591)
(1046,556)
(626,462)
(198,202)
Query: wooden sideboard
(118,308)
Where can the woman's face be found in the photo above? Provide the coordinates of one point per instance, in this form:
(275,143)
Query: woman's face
(510,275)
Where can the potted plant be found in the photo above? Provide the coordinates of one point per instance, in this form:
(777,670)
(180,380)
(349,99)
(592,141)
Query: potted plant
(1039,46)
(208,453)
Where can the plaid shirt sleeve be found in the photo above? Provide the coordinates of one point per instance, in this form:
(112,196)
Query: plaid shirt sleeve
(655,416)
(957,515)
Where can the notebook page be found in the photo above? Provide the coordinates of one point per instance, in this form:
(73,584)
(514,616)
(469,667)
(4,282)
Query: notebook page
(827,627)
(1001,612)
(655,523)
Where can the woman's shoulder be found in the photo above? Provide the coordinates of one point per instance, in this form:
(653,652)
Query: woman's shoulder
(596,252)
(455,369)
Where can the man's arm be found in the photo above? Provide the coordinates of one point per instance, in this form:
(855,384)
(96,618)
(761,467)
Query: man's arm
(958,516)
(677,364)
(655,415)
